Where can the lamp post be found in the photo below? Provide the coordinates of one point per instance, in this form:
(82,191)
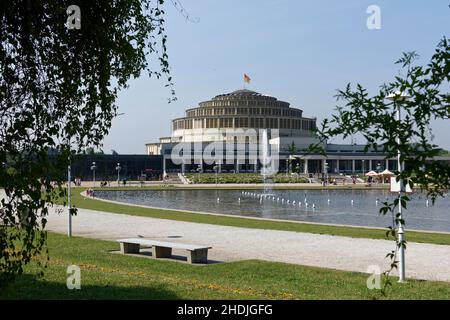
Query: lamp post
(378,168)
(198,173)
(325,171)
(118,167)
(69,200)
(216,168)
(69,191)
(395,98)
(93,167)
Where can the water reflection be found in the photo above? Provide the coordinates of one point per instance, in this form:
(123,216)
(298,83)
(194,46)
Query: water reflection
(347,207)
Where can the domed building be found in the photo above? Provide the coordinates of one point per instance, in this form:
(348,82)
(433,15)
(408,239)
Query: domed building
(240,109)
(236,121)
(237,117)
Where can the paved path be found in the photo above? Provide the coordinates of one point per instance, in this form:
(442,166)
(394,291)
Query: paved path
(424,261)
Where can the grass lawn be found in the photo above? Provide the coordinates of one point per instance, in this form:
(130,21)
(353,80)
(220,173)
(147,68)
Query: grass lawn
(355,232)
(105,275)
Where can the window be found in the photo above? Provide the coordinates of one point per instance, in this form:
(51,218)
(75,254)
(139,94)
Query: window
(198,123)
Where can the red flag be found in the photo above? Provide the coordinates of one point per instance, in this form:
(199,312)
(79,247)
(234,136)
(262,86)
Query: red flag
(246,78)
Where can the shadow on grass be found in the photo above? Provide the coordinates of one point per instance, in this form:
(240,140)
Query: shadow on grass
(32,287)
(147,253)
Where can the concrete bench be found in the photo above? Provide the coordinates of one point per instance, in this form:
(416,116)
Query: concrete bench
(162,249)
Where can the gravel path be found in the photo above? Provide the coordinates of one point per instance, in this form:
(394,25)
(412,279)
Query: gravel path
(424,261)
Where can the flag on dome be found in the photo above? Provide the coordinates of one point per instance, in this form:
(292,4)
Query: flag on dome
(246,78)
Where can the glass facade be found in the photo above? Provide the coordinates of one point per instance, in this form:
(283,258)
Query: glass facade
(132,166)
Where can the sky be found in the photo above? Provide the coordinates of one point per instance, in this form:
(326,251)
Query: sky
(295,50)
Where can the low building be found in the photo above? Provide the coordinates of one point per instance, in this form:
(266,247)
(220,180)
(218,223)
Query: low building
(132,167)
(230,126)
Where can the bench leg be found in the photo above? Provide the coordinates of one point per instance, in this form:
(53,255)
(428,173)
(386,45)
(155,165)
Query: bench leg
(198,256)
(129,247)
(162,252)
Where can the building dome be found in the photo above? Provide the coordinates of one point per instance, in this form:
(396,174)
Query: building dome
(240,92)
(244,109)
(243,95)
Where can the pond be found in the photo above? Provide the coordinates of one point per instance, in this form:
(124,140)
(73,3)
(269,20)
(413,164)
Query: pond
(344,207)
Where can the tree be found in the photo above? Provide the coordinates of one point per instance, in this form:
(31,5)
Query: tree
(374,117)
(91,151)
(58,88)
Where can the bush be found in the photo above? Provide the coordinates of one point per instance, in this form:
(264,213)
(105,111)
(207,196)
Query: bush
(199,178)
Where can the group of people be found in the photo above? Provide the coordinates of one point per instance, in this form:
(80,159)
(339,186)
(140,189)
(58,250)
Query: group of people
(329,181)
(333,181)
(90,192)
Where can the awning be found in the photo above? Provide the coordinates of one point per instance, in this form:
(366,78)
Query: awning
(386,173)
